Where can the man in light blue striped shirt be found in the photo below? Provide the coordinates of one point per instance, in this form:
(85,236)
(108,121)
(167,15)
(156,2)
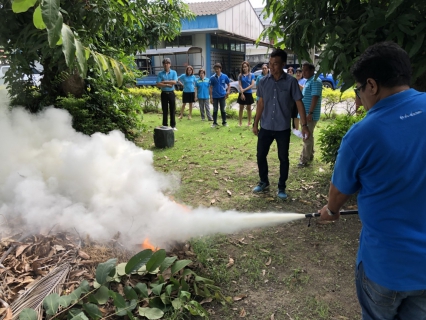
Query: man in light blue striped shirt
(312,94)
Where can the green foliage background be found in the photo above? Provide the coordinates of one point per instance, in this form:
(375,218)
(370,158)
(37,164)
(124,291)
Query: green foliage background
(344,29)
(331,136)
(85,49)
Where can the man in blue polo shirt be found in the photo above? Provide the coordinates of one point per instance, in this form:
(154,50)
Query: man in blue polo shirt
(312,95)
(383,158)
(166,81)
(219,92)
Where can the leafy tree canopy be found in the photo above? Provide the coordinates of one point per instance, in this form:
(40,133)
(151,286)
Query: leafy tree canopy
(345,28)
(69,35)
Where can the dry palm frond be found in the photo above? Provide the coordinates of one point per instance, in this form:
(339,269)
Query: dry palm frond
(40,289)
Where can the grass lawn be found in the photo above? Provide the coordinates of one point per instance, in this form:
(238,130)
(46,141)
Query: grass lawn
(290,271)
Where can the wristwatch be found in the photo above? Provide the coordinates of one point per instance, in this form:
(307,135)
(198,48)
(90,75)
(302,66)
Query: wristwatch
(330,213)
(304,125)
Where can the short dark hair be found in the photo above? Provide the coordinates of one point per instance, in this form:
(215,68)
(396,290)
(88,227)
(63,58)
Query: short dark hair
(385,62)
(279,53)
(309,65)
(217,65)
(201,71)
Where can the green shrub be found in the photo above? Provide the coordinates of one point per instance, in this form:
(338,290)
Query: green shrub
(150,285)
(104,110)
(231,111)
(331,137)
(149,98)
(332,98)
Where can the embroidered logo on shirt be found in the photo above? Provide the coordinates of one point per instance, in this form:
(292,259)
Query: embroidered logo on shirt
(412,114)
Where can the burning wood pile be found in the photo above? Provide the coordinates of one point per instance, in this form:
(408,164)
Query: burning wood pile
(34,266)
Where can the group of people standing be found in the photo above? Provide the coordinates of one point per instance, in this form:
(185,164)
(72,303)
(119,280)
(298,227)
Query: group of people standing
(214,90)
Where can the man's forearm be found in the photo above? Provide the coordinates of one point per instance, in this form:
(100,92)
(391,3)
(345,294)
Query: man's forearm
(336,199)
(169,82)
(313,104)
(302,111)
(259,111)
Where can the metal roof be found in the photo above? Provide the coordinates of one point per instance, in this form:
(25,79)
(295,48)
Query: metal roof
(168,51)
(212,7)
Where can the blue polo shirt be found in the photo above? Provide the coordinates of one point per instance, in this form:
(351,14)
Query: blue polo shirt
(202,88)
(313,87)
(163,75)
(219,85)
(188,82)
(384,158)
(257,84)
(278,99)
(246,81)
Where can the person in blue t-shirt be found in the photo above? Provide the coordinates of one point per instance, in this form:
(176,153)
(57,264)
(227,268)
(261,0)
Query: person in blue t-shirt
(245,98)
(219,91)
(202,95)
(166,81)
(383,158)
(188,96)
(265,72)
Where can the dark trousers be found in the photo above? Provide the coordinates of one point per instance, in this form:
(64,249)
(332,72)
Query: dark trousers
(264,141)
(221,102)
(168,102)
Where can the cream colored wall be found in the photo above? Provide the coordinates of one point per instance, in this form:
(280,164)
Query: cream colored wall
(242,20)
(199,40)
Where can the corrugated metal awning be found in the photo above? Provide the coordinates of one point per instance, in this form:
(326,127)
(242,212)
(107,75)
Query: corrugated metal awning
(170,51)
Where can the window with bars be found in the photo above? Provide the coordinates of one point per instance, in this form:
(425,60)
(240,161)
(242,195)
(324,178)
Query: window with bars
(222,43)
(180,41)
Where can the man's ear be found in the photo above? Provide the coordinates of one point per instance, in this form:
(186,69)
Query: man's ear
(373,86)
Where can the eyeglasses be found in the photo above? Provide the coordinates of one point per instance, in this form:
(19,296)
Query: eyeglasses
(357,90)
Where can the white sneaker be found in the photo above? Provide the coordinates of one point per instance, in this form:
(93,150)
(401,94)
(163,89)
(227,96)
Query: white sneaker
(174,129)
(214,125)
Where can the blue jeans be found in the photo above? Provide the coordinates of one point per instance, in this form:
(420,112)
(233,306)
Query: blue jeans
(380,303)
(264,141)
(221,102)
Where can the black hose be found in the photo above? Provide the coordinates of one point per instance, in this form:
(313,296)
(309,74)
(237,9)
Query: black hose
(343,212)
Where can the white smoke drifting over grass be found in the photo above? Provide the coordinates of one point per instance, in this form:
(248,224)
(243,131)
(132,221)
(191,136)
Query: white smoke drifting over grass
(50,175)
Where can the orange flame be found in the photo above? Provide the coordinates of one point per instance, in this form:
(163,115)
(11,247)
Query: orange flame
(148,245)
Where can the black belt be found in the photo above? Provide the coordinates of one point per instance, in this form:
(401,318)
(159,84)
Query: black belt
(167,92)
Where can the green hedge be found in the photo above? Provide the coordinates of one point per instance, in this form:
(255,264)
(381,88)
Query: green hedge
(331,137)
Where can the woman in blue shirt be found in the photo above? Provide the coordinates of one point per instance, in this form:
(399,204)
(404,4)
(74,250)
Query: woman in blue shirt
(202,94)
(245,98)
(188,96)
(265,71)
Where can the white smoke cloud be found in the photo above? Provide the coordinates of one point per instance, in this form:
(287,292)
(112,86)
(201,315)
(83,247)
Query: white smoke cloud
(51,175)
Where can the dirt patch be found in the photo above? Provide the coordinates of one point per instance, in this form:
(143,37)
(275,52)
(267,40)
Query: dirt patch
(310,274)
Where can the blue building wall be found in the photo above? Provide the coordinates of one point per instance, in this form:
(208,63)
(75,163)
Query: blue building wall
(200,23)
